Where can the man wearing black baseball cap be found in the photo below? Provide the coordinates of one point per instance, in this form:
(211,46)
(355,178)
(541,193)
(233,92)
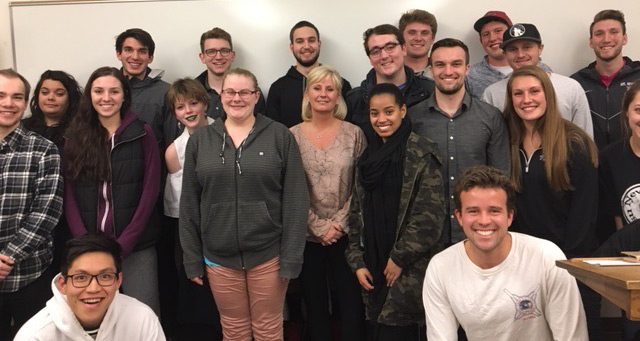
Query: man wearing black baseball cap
(493,66)
(522,46)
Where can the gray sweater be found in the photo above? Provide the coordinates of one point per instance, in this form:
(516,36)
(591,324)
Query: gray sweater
(242,207)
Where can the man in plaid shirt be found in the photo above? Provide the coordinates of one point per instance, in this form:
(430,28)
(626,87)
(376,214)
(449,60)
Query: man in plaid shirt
(30,206)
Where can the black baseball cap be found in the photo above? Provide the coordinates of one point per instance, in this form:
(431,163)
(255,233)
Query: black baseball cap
(520,32)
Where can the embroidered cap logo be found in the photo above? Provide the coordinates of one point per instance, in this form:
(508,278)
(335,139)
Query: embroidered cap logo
(517,30)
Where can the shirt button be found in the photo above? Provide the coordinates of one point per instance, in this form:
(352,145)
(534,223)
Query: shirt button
(451,120)
(452,216)
(452,197)
(451,157)
(452,178)
(450,137)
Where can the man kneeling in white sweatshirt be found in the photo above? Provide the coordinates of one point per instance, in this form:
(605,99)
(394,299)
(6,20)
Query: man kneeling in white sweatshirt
(86,304)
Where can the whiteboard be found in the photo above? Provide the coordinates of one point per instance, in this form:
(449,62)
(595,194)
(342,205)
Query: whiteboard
(79,37)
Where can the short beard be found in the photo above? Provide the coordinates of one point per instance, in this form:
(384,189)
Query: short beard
(608,59)
(307,63)
(454,90)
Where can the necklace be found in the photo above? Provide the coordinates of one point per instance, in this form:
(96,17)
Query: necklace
(320,133)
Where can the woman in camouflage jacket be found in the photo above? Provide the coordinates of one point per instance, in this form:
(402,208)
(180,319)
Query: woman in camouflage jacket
(396,217)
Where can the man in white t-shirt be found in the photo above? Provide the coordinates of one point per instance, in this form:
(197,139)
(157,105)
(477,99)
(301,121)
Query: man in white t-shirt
(86,304)
(499,285)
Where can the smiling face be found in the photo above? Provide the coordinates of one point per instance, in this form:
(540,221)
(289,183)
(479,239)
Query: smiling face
(134,57)
(528,98)
(13,102)
(90,304)
(523,52)
(607,39)
(385,115)
(633,116)
(418,38)
(449,67)
(237,107)
(305,46)
(53,99)
(322,96)
(491,38)
(107,96)
(484,218)
(190,112)
(388,65)
(217,64)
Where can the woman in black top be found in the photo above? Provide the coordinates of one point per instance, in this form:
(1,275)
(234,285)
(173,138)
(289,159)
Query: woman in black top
(55,102)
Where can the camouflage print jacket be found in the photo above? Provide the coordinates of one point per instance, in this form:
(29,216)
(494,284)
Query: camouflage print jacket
(422,210)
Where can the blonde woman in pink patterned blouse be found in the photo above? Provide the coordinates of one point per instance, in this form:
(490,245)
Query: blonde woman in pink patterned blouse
(329,147)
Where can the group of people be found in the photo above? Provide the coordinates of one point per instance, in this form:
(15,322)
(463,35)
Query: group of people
(203,200)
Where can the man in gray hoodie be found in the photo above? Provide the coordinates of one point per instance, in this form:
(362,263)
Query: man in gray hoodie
(135,48)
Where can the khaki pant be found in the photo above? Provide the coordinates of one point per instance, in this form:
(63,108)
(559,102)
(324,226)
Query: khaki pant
(250,301)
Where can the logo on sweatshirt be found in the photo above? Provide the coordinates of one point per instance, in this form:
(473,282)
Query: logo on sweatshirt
(626,84)
(525,306)
(630,203)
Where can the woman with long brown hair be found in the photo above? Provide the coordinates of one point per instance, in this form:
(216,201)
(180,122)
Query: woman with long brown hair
(620,165)
(553,165)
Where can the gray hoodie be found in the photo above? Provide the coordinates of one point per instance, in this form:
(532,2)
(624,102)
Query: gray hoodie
(241,207)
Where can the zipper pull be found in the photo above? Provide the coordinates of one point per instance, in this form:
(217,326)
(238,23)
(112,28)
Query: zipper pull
(239,169)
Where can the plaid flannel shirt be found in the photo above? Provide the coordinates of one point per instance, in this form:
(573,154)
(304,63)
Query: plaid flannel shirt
(30,204)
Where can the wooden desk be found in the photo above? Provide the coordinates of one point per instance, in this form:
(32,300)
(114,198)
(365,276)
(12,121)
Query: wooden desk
(618,284)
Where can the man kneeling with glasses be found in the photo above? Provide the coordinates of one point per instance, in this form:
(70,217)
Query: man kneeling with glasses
(86,304)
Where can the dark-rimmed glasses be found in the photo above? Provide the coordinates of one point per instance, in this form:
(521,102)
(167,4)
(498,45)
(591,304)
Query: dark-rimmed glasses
(83,280)
(388,48)
(223,52)
(244,94)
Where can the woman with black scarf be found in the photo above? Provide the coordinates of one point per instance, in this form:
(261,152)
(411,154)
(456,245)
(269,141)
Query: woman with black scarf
(396,217)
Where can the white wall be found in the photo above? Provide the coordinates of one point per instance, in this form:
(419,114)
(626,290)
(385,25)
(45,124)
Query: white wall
(78,38)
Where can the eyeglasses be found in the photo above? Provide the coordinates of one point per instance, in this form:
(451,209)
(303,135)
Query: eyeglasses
(223,52)
(388,48)
(83,280)
(244,94)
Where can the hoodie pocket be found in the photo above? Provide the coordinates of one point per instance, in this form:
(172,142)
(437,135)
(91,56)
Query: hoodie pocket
(218,230)
(256,228)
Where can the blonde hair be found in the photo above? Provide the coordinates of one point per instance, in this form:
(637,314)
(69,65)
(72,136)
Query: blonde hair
(316,75)
(553,130)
